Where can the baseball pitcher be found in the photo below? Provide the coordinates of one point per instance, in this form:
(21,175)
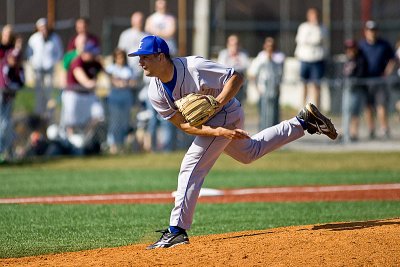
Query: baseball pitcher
(198,97)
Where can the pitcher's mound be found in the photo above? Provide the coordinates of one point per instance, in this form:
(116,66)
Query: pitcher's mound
(368,243)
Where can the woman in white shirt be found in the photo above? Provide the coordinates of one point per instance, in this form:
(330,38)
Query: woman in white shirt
(310,51)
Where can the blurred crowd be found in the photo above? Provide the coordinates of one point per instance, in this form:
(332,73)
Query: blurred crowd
(123,120)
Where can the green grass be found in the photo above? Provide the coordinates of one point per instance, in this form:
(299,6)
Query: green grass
(44,183)
(44,229)
(143,173)
(39,229)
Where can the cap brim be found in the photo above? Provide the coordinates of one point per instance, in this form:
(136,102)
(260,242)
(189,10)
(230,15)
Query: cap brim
(140,53)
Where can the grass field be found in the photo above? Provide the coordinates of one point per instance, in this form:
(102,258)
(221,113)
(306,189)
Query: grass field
(39,229)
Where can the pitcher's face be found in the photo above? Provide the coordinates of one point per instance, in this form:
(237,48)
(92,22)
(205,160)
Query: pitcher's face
(150,64)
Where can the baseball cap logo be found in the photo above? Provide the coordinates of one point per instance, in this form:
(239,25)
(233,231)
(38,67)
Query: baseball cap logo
(140,45)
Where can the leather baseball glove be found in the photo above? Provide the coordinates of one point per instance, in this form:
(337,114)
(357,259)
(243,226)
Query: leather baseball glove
(197,108)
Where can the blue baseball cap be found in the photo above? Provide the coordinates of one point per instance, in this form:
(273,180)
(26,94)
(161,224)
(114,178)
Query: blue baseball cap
(151,45)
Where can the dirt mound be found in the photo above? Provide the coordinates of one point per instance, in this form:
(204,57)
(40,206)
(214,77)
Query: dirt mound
(369,243)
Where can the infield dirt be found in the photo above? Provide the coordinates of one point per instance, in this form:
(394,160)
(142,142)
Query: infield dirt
(367,243)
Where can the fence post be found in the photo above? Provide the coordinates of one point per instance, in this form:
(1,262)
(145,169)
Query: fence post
(346,110)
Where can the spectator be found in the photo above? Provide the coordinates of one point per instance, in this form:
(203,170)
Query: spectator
(380,58)
(120,100)
(37,142)
(7,40)
(82,115)
(397,83)
(310,51)
(130,40)
(234,56)
(355,69)
(153,124)
(267,69)
(162,24)
(82,29)
(44,51)
(69,56)
(166,141)
(12,71)
(144,116)
(11,80)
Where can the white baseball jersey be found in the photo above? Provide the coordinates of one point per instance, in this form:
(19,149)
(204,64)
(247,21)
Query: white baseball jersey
(198,75)
(194,75)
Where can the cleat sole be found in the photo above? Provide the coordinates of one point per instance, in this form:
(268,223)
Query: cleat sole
(331,133)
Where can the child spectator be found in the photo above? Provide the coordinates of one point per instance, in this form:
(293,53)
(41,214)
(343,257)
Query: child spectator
(120,100)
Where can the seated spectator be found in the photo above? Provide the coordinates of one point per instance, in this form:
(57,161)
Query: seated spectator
(37,142)
(120,100)
(86,141)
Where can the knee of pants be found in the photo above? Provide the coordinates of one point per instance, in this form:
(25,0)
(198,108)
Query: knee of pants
(241,158)
(247,161)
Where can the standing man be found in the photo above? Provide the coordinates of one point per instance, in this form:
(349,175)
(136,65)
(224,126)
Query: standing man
(162,24)
(381,62)
(266,70)
(234,56)
(44,51)
(310,51)
(173,79)
(130,39)
(82,29)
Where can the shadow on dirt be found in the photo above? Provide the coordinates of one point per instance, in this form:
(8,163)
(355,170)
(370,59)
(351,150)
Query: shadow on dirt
(353,225)
(244,235)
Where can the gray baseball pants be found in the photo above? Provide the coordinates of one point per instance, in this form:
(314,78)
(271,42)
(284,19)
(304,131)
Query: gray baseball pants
(204,152)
